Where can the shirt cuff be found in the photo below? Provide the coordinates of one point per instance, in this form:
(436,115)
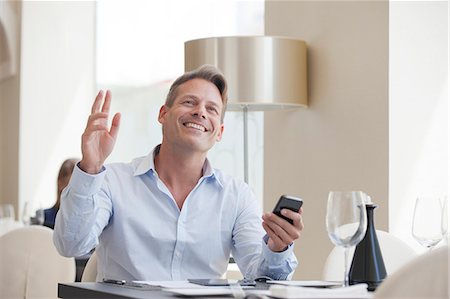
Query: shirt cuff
(85,183)
(275,258)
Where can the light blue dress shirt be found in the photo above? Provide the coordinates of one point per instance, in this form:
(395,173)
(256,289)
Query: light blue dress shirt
(130,217)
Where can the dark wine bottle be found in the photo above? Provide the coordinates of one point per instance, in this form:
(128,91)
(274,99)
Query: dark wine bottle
(367,264)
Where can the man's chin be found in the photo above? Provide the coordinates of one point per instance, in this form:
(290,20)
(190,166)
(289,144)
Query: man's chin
(197,146)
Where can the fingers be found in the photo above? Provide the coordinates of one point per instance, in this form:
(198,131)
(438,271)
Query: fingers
(99,115)
(299,222)
(295,216)
(107,103)
(275,243)
(97,106)
(97,102)
(115,126)
(281,231)
(97,141)
(284,230)
(272,235)
(98,121)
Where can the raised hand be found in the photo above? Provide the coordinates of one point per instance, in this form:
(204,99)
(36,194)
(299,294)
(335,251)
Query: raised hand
(97,141)
(280,232)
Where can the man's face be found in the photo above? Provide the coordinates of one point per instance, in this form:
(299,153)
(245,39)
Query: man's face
(194,120)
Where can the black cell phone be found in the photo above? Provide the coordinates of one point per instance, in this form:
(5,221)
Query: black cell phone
(287,202)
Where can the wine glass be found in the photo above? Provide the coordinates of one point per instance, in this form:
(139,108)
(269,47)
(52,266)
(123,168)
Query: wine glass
(445,224)
(32,216)
(346,221)
(6,213)
(428,223)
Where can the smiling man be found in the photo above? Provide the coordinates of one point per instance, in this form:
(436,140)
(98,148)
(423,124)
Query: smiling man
(170,215)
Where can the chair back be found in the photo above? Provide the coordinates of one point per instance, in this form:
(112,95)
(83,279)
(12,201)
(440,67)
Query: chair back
(90,270)
(30,265)
(424,277)
(396,253)
(7,226)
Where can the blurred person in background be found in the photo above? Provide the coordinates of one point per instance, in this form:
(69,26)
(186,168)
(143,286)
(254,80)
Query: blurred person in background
(65,172)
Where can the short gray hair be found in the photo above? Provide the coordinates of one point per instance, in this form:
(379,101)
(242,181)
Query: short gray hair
(206,72)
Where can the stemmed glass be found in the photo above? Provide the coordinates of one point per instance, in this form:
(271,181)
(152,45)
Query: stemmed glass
(346,221)
(428,223)
(6,213)
(445,224)
(6,218)
(31,216)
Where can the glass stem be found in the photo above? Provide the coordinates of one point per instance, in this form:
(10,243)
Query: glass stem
(346,280)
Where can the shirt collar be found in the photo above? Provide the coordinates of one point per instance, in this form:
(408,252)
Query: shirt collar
(148,164)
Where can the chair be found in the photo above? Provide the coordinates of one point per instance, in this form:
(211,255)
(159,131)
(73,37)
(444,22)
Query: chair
(7,226)
(424,277)
(30,265)
(395,253)
(90,270)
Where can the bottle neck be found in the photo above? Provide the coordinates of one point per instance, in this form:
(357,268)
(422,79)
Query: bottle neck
(369,211)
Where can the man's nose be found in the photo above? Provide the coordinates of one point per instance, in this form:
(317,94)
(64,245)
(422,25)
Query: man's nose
(200,111)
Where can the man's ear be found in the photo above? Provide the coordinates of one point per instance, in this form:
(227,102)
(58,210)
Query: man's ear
(219,135)
(162,114)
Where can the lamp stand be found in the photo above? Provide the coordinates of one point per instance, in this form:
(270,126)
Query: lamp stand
(245,116)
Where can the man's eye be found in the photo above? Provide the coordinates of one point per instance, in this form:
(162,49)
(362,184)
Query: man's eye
(213,109)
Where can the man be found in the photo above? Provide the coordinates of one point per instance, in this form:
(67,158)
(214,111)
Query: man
(170,215)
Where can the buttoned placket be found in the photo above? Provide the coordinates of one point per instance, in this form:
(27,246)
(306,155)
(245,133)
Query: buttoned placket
(179,246)
(180,242)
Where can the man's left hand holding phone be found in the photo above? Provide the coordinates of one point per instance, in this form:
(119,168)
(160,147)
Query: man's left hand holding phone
(280,231)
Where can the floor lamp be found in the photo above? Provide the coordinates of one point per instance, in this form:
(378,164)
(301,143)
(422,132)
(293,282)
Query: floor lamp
(263,73)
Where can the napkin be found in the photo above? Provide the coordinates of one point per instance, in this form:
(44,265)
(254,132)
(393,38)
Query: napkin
(289,292)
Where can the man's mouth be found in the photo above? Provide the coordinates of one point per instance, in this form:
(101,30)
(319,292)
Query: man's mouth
(195,126)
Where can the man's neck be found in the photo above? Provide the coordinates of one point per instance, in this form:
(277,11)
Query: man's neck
(180,170)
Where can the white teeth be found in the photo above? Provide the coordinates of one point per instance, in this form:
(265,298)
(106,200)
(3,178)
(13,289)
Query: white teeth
(195,126)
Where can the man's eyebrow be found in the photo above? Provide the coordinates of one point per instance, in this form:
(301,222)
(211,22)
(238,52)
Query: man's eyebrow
(214,103)
(196,98)
(190,96)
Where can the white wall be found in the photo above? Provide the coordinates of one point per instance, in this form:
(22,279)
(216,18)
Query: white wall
(418,108)
(340,142)
(57,89)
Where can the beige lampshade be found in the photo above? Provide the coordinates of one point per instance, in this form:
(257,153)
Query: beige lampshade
(263,72)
